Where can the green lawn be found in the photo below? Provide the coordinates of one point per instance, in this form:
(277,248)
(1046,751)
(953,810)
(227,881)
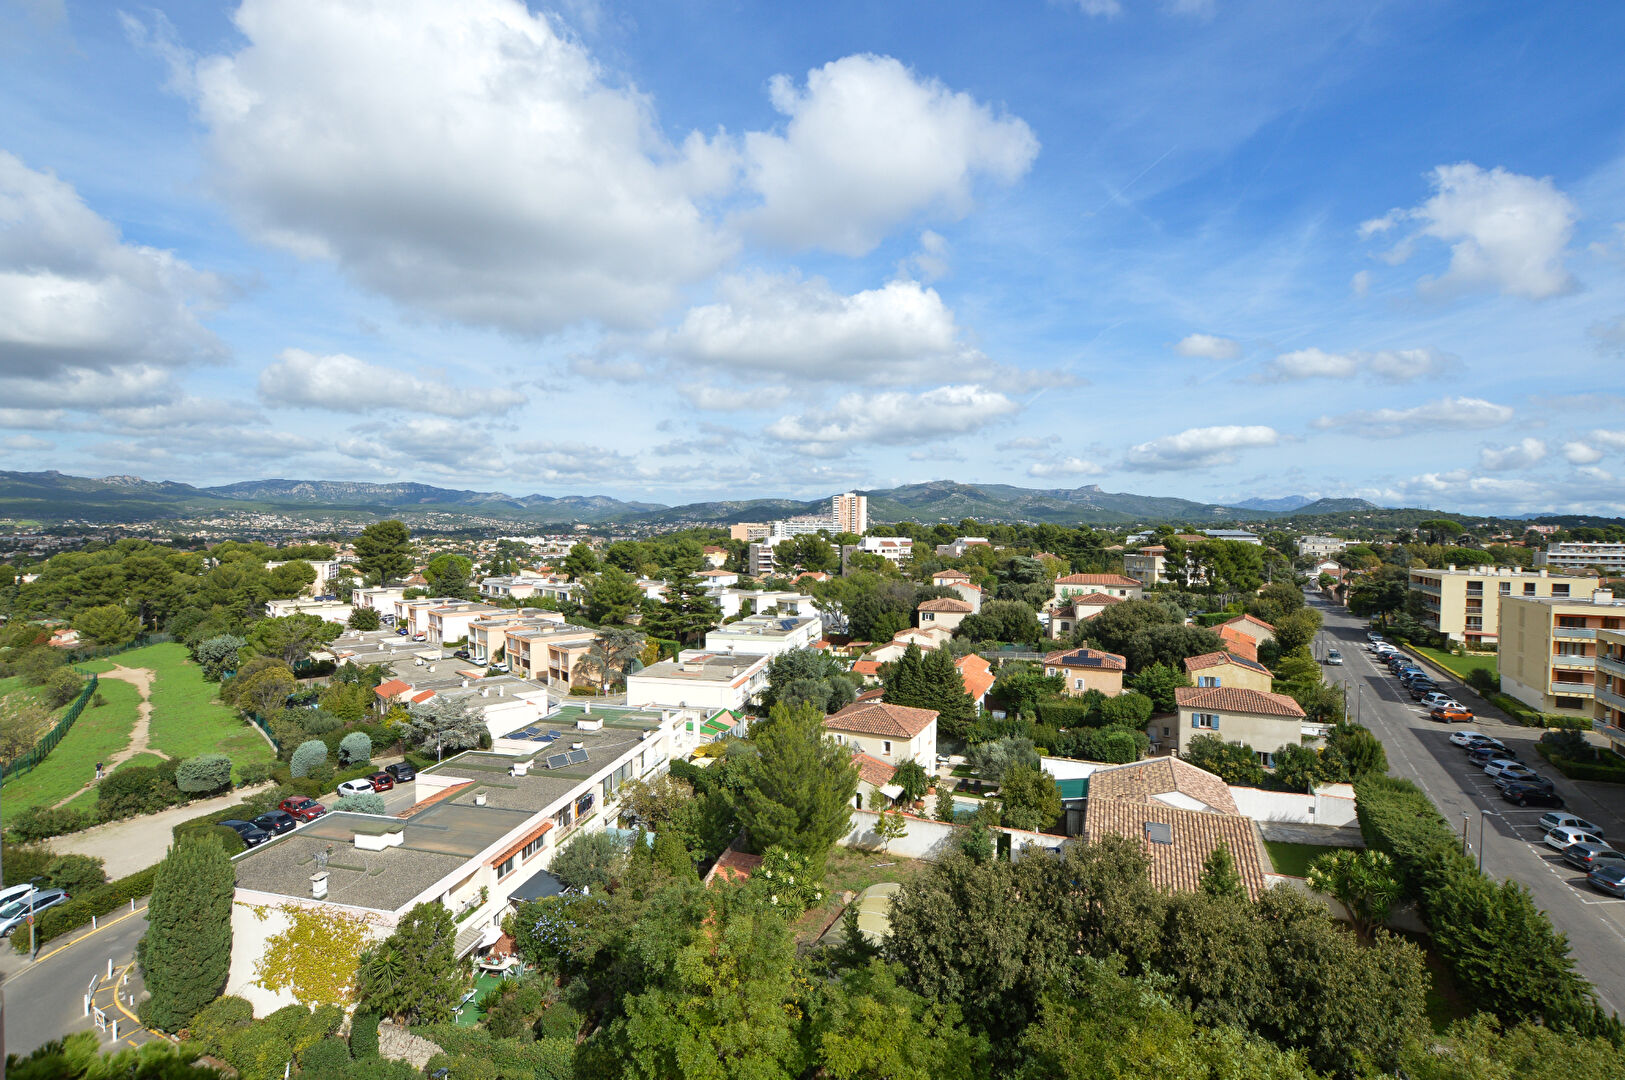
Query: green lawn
(95,736)
(1459,666)
(187,718)
(1294,859)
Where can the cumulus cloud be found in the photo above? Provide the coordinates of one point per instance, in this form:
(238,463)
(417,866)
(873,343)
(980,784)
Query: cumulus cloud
(1208,347)
(893,418)
(1360,283)
(1388,365)
(1613,440)
(1580,453)
(89,388)
(1460,413)
(733,398)
(867,145)
(1520,455)
(783,326)
(1506,232)
(463,159)
(1028,442)
(930,262)
(24,443)
(74,296)
(301,379)
(1199,448)
(1069,466)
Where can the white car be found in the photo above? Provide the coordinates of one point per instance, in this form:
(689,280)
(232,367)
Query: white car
(355,787)
(1464,738)
(1512,773)
(1564,836)
(1435,698)
(1557,819)
(1334,657)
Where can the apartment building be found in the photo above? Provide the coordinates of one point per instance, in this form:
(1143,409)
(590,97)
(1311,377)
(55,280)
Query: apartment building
(1070,585)
(1240,536)
(547,652)
(759,558)
(697,679)
(1149,564)
(1465,604)
(1609,719)
(957,549)
(485,826)
(850,512)
(488,636)
(1579,554)
(1320,547)
(894,549)
(1548,648)
(746,531)
(449,622)
(381,600)
(765,635)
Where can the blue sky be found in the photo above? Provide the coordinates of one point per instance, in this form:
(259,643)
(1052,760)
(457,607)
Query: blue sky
(676,251)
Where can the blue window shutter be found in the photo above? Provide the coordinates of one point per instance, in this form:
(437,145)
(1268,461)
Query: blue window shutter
(1215,721)
(1196,720)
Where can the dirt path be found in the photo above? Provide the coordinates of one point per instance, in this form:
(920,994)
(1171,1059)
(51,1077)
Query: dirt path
(141,679)
(139,842)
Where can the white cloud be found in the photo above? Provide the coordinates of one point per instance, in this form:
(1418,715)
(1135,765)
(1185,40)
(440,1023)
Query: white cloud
(463,159)
(1613,440)
(30,419)
(893,418)
(930,262)
(26,442)
(786,327)
(1360,283)
(1209,347)
(1102,8)
(1580,453)
(1389,365)
(88,388)
(869,145)
(1506,231)
(1458,413)
(1028,442)
(74,295)
(734,398)
(1199,448)
(1071,466)
(343,383)
(1520,455)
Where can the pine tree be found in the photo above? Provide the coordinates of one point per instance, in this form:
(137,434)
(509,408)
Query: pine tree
(797,790)
(905,681)
(187,951)
(384,551)
(687,613)
(1219,876)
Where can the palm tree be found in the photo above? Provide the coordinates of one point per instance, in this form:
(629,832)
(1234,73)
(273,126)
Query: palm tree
(613,653)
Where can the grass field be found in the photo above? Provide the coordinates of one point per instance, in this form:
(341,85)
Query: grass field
(187,718)
(94,737)
(854,869)
(16,694)
(1294,859)
(1459,666)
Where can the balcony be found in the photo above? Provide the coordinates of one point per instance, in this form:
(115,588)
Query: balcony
(1585,663)
(1584,633)
(1610,699)
(1608,731)
(1612,666)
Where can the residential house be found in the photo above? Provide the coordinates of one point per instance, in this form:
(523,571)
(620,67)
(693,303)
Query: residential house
(874,775)
(958,548)
(449,622)
(653,588)
(868,671)
(1253,627)
(721,579)
(1465,605)
(978,676)
(809,575)
(1070,585)
(1319,547)
(327,610)
(892,733)
(1087,669)
(381,600)
(1228,669)
(1237,642)
(714,556)
(927,638)
(949,578)
(1262,720)
(894,549)
(548,652)
(943,612)
(765,635)
(1177,842)
(65,637)
(1548,649)
(1167,780)
(1071,614)
(1149,564)
(699,679)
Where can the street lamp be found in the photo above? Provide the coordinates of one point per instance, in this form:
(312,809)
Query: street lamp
(1482,814)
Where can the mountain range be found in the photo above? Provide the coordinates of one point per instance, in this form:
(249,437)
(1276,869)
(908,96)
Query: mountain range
(55,497)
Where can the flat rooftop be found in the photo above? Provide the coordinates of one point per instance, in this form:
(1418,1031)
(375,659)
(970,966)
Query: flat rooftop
(764,626)
(703,667)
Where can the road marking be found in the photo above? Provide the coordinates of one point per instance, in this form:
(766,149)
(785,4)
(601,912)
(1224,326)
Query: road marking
(89,933)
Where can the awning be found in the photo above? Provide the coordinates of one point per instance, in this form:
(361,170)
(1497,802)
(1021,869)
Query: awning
(492,935)
(539,886)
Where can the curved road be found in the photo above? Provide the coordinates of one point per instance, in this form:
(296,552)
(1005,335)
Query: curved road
(1419,750)
(44,1000)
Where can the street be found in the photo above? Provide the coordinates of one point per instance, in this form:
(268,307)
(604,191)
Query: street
(1419,750)
(45,999)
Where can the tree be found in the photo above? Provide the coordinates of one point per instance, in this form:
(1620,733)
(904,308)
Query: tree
(443,725)
(911,776)
(1002,620)
(363,618)
(614,652)
(589,860)
(413,975)
(1362,881)
(187,950)
(106,624)
(872,616)
(1219,876)
(1439,530)
(871,1026)
(1030,798)
(808,551)
(218,655)
(1158,683)
(355,749)
(384,551)
(1360,752)
(944,810)
(796,791)
(687,612)
(1019,686)
(580,562)
(291,637)
(890,825)
(1297,629)
(1234,764)
(610,595)
(449,574)
(991,760)
(808,676)
(63,686)
(308,756)
(264,690)
(204,773)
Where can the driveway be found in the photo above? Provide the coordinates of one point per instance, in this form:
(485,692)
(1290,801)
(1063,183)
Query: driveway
(1419,749)
(139,842)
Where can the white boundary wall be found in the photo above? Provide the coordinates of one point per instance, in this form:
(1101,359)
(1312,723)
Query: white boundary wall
(927,838)
(1321,808)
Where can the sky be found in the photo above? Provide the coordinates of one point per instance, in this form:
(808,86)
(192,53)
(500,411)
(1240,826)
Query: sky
(662,251)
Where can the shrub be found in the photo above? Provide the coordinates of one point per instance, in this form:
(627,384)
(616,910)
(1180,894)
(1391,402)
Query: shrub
(309,755)
(78,911)
(560,1021)
(137,789)
(218,1022)
(74,874)
(254,772)
(205,773)
(228,838)
(365,803)
(356,749)
(1484,681)
(63,686)
(325,1060)
(317,722)
(23,864)
(1126,710)
(364,1035)
(42,822)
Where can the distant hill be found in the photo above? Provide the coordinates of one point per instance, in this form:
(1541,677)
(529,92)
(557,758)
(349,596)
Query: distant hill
(1284,503)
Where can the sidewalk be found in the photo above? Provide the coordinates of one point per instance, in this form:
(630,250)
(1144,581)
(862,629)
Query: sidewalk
(137,843)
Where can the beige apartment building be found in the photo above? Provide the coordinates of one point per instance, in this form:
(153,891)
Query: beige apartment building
(1149,564)
(1548,649)
(851,513)
(1465,604)
(1609,719)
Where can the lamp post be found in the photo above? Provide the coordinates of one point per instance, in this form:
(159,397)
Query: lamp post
(1482,814)
(1464,832)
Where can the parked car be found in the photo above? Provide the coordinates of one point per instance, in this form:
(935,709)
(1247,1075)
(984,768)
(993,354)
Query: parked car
(1568,821)
(1452,714)
(277,822)
(251,833)
(1510,772)
(302,808)
(17,912)
(1587,855)
(503,667)
(1609,877)
(1421,688)
(420,636)
(382,781)
(402,772)
(461,654)
(1466,738)
(1562,837)
(1485,753)
(402,632)
(355,787)
(1530,793)
(16,892)
(1333,656)
(1437,697)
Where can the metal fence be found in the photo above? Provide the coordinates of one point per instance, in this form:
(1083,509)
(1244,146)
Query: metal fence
(36,754)
(97,652)
(254,718)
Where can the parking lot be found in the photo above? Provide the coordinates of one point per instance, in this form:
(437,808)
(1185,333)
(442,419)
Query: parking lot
(1419,749)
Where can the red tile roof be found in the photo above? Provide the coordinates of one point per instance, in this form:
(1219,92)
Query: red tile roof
(1194,834)
(420,698)
(946,604)
(873,770)
(1098,579)
(951,574)
(1237,642)
(874,693)
(977,674)
(1159,776)
(1092,599)
(1237,699)
(1246,620)
(733,865)
(1215,659)
(881,718)
(391,688)
(867,667)
(1086,658)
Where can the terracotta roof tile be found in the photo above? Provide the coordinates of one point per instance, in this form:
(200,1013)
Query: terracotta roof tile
(873,770)
(1086,658)
(867,667)
(956,575)
(1098,579)
(1159,776)
(391,688)
(733,865)
(1237,699)
(1095,599)
(977,674)
(1237,642)
(1249,620)
(881,718)
(1177,866)
(1215,659)
(946,604)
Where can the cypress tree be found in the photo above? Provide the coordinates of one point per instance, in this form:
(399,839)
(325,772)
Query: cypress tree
(905,683)
(187,951)
(796,791)
(945,692)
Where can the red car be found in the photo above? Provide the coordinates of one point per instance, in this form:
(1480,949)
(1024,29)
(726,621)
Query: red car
(382,781)
(302,808)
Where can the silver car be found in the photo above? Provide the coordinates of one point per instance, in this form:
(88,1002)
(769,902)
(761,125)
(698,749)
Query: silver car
(1564,837)
(1557,819)
(15,913)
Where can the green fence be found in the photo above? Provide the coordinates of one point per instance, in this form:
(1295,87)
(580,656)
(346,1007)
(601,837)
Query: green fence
(36,754)
(97,652)
(253,718)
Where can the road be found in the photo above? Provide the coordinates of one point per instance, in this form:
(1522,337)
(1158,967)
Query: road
(1419,750)
(45,999)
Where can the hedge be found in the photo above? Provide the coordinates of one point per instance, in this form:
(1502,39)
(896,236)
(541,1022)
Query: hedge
(98,902)
(1601,770)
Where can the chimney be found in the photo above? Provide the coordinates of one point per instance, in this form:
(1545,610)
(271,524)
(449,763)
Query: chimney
(465,682)
(486,692)
(577,746)
(587,708)
(501,691)
(318,885)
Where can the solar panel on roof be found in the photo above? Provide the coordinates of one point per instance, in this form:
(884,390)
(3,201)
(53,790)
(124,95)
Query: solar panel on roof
(1159,833)
(551,734)
(558,761)
(577,757)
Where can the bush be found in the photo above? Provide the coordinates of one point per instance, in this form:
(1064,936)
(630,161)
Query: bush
(74,874)
(42,822)
(317,722)
(1484,681)
(365,803)
(218,1022)
(560,1021)
(78,911)
(137,789)
(310,754)
(254,772)
(364,1035)
(1067,712)
(325,1060)
(355,749)
(23,864)
(1603,769)
(206,773)
(62,687)
(228,837)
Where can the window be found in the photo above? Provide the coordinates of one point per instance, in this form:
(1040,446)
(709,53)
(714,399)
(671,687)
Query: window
(534,846)
(505,869)
(1560,590)
(1078,683)
(1167,732)
(1207,680)
(1529,588)
(1506,588)
(562,819)
(1206,721)
(840,740)
(1570,702)
(885,746)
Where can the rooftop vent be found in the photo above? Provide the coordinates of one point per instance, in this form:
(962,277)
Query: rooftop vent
(379,841)
(1158,833)
(1602,596)
(318,885)
(520,768)
(588,725)
(577,746)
